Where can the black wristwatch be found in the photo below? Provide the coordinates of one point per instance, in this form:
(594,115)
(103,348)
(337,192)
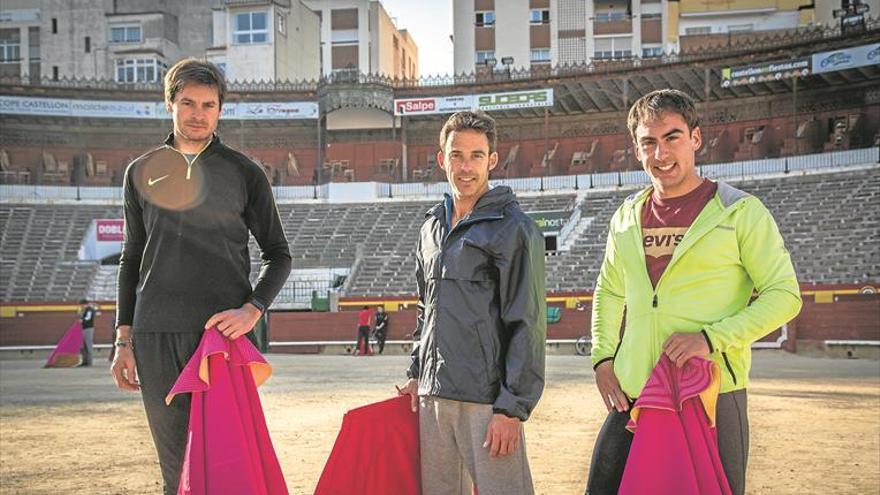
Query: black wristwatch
(258,305)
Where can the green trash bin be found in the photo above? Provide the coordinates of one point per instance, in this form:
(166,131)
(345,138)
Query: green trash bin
(554,314)
(320,303)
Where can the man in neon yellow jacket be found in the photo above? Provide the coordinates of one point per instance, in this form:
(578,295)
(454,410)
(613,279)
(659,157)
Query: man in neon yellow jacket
(683,258)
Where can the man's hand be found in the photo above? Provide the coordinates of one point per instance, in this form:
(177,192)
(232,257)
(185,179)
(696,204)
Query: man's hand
(411,388)
(233,323)
(682,346)
(609,387)
(502,436)
(123,367)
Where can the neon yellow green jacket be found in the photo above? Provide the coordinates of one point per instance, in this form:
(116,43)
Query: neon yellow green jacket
(732,249)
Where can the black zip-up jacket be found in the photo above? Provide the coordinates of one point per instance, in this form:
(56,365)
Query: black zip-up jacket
(178,268)
(482,321)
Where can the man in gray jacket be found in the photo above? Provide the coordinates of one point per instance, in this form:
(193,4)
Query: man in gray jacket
(477,368)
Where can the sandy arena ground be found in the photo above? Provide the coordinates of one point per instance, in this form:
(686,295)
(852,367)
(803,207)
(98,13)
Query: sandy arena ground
(815,424)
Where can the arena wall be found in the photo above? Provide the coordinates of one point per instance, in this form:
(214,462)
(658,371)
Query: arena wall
(825,316)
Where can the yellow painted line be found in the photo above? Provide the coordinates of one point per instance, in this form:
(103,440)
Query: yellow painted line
(841,292)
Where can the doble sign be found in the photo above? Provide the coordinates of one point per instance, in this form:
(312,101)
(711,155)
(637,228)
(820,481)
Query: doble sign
(110,230)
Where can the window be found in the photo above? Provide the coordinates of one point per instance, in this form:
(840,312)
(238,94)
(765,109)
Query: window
(484,55)
(741,28)
(54,72)
(282,24)
(614,47)
(88,44)
(10,45)
(34,43)
(54,26)
(610,16)
(654,51)
(132,70)
(250,27)
(125,34)
(698,30)
(540,55)
(539,16)
(486,19)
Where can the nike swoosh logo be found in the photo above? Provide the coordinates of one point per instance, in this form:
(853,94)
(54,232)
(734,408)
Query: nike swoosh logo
(152,181)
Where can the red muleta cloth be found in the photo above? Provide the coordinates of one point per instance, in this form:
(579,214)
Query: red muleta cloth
(675,449)
(228,449)
(67,352)
(376,452)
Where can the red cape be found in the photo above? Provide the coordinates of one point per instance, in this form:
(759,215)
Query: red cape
(376,452)
(675,449)
(228,449)
(67,352)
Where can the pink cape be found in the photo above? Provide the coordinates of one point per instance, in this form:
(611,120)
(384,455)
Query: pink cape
(67,352)
(675,449)
(228,449)
(376,452)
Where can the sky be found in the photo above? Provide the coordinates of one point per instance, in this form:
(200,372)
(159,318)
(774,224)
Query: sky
(429,22)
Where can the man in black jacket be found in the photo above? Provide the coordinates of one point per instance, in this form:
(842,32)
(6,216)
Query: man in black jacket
(381,330)
(88,312)
(184,269)
(477,367)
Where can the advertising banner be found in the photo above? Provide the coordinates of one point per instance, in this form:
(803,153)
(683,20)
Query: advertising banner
(25,105)
(847,58)
(493,101)
(516,99)
(550,222)
(110,230)
(769,71)
(433,105)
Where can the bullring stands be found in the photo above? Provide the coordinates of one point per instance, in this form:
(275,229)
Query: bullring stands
(828,220)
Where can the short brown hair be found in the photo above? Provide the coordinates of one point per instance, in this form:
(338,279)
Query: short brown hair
(477,120)
(654,104)
(191,70)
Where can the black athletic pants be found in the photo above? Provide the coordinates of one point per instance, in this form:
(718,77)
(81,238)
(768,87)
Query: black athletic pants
(614,440)
(160,357)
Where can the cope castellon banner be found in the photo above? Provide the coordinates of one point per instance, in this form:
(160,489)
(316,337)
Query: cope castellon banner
(536,98)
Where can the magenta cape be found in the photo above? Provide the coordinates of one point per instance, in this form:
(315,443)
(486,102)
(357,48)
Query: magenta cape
(675,449)
(228,449)
(376,452)
(67,352)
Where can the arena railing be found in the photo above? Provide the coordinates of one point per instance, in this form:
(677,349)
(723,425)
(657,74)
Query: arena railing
(760,42)
(11,193)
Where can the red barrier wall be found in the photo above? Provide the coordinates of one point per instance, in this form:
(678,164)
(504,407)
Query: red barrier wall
(853,317)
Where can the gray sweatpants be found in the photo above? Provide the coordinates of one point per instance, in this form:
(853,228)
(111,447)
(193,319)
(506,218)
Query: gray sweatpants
(453,457)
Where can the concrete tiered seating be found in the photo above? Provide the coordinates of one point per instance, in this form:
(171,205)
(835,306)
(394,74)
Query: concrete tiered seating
(38,251)
(828,221)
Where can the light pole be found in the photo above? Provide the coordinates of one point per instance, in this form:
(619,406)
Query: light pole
(490,63)
(507,61)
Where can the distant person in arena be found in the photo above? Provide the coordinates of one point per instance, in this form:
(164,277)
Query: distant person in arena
(365,315)
(477,368)
(88,312)
(185,270)
(381,329)
(683,257)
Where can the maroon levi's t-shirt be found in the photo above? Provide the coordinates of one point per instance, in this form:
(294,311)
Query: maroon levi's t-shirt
(665,221)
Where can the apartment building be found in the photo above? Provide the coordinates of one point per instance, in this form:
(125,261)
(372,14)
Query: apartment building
(358,36)
(135,41)
(516,34)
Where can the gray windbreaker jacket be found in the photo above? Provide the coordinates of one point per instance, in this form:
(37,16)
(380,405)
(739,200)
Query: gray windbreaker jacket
(482,322)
